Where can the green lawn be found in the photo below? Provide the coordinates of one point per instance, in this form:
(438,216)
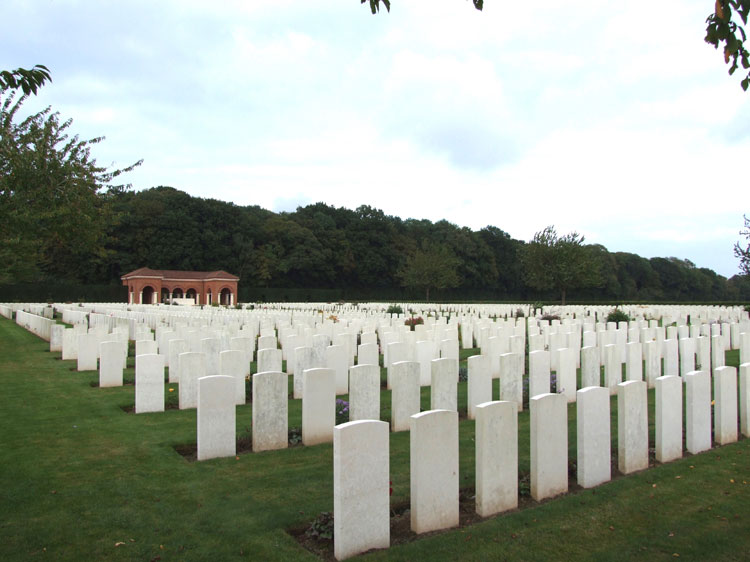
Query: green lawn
(81,479)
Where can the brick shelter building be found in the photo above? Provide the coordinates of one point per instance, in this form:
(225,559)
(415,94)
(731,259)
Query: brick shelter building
(151,286)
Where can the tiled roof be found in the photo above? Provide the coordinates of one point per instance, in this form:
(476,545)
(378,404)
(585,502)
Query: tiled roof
(174,274)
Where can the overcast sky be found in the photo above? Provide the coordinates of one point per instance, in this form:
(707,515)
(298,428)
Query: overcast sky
(613,119)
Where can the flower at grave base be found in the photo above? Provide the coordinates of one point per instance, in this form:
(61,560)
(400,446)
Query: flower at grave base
(171,390)
(390,487)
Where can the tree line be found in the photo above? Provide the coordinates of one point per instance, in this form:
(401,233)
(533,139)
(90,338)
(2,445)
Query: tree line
(324,247)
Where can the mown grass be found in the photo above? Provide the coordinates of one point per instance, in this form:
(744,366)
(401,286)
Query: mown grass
(81,479)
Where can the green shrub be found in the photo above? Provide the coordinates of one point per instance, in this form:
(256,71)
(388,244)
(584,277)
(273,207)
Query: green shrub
(617,315)
(394,309)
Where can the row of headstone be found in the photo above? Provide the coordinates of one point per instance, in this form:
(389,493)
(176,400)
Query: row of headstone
(361,451)
(37,325)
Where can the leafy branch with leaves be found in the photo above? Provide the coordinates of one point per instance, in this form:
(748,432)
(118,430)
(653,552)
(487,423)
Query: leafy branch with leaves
(28,80)
(723,28)
(744,253)
(375,5)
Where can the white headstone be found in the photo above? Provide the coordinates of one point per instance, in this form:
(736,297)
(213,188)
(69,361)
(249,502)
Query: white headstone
(149,383)
(232,364)
(270,411)
(405,396)
(496,457)
(539,373)
(566,373)
(668,422)
(651,350)
(590,366)
(593,436)
(192,366)
(337,359)
(211,347)
(176,347)
(111,363)
(361,501)
(269,360)
(88,350)
(511,378)
(145,347)
(318,405)
(434,470)
(367,354)
(612,367)
(425,353)
(725,407)
(634,362)
(216,418)
(364,392)
(444,391)
(479,385)
(632,426)
(697,411)
(549,445)
(745,399)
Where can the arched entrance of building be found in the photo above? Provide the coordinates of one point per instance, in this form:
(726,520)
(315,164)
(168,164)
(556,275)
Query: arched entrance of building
(177,293)
(164,295)
(209,297)
(191,294)
(147,295)
(225,297)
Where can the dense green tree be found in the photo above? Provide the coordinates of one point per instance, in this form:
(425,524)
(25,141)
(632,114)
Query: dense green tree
(506,253)
(561,263)
(431,266)
(54,198)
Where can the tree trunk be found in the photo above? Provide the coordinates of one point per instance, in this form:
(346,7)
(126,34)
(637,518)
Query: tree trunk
(427,298)
(562,297)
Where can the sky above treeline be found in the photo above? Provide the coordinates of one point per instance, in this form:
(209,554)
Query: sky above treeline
(613,119)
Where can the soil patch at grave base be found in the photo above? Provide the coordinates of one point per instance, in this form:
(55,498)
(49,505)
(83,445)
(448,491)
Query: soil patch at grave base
(130,408)
(308,536)
(189,451)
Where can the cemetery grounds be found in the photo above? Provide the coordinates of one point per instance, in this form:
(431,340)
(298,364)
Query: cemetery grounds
(81,478)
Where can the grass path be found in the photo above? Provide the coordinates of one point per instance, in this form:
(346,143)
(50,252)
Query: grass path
(80,479)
